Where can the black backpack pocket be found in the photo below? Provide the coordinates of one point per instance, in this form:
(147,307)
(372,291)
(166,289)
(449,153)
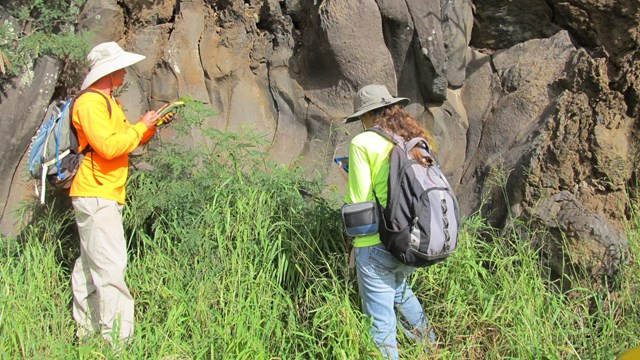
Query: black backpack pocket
(360,218)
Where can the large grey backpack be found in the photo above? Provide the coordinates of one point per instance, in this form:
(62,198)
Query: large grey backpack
(421,220)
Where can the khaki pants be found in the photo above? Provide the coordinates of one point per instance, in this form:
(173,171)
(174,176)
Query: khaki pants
(101,300)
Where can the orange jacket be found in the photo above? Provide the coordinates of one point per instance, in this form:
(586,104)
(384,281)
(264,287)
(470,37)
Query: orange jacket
(103,172)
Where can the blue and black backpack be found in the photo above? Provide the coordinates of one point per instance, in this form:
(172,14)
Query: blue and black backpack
(54,156)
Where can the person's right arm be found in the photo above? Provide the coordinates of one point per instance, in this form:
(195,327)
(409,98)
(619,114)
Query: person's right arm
(149,119)
(102,132)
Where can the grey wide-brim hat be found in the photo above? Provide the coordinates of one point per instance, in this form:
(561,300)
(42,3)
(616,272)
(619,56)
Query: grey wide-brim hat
(106,58)
(372,97)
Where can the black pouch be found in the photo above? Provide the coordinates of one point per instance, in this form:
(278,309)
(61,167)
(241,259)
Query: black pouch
(360,218)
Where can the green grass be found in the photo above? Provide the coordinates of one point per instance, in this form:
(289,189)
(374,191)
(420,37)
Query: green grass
(238,258)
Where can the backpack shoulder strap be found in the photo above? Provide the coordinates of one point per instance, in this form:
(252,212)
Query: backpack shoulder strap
(397,140)
(420,142)
(88,148)
(95,92)
(73,128)
(392,139)
(378,130)
(415,141)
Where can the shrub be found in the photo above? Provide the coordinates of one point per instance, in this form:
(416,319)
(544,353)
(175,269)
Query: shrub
(44,28)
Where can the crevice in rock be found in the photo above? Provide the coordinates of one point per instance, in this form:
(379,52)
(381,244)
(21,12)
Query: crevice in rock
(208,80)
(13,181)
(630,91)
(275,103)
(553,13)
(494,70)
(227,119)
(631,99)
(307,126)
(128,16)
(176,12)
(200,57)
(326,114)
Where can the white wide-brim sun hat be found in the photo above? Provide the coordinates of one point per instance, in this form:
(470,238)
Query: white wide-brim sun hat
(106,58)
(372,97)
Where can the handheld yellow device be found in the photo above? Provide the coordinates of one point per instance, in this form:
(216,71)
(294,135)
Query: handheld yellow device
(167,111)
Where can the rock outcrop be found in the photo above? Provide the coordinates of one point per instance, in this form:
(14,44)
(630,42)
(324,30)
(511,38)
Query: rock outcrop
(23,107)
(533,104)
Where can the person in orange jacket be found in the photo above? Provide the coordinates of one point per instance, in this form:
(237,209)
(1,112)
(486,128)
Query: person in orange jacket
(102,302)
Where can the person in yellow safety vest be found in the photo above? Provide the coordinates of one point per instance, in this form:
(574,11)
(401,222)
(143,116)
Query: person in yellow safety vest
(382,279)
(102,302)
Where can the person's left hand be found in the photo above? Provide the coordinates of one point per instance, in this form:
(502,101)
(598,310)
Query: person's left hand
(166,119)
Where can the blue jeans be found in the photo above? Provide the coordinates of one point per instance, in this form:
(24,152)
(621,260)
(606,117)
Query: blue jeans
(383,289)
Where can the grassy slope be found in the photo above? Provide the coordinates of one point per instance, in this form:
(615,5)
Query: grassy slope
(229,265)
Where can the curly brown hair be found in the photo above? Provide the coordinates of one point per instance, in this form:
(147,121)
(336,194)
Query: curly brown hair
(396,119)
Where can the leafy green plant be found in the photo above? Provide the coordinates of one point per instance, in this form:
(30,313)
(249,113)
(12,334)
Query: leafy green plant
(49,16)
(4,62)
(8,38)
(45,28)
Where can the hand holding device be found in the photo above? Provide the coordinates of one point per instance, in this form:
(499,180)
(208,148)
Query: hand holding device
(343,161)
(150,119)
(168,111)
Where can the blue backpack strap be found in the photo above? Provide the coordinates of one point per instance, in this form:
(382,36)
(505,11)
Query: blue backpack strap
(65,108)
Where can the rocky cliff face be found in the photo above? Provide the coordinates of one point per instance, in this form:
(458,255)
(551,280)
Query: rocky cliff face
(533,103)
